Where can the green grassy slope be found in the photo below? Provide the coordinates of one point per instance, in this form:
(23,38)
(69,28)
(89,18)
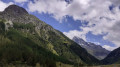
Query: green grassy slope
(16,48)
(39,39)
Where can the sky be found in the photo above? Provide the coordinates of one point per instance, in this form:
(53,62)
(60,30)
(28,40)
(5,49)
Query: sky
(96,21)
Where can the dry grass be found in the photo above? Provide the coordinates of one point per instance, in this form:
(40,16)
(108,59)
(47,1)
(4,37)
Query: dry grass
(59,64)
(113,65)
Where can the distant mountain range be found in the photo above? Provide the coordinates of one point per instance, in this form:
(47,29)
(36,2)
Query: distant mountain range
(95,50)
(24,39)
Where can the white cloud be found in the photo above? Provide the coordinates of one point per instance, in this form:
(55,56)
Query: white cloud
(76,33)
(4,5)
(55,7)
(108,47)
(101,19)
(116,2)
(20,1)
(97,43)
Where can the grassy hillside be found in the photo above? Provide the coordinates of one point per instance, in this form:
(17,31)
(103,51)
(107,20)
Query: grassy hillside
(37,42)
(21,44)
(16,48)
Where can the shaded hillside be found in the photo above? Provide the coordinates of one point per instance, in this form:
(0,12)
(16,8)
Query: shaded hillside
(24,32)
(113,57)
(16,48)
(95,50)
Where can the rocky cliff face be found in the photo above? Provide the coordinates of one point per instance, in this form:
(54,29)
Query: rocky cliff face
(16,14)
(95,50)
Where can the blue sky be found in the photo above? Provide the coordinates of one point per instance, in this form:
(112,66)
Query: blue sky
(94,21)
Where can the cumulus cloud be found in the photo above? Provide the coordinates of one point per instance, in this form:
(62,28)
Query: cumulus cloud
(109,47)
(20,1)
(102,19)
(76,33)
(97,43)
(4,5)
(55,7)
(115,2)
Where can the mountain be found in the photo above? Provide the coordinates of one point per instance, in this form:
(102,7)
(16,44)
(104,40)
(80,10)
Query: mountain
(27,40)
(95,50)
(113,57)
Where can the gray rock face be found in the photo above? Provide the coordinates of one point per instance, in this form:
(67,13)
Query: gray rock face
(17,14)
(14,9)
(95,50)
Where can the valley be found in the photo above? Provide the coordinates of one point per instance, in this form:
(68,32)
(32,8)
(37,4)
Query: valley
(113,65)
(26,41)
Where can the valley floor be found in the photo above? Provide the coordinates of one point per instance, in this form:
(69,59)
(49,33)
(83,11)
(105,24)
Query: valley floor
(113,65)
(62,65)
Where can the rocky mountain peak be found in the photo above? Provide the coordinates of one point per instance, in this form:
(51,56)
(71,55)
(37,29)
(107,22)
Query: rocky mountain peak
(77,38)
(95,50)
(15,10)
(80,41)
(16,13)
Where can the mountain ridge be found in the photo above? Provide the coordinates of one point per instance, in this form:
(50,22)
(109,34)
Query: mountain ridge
(95,50)
(29,27)
(113,57)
